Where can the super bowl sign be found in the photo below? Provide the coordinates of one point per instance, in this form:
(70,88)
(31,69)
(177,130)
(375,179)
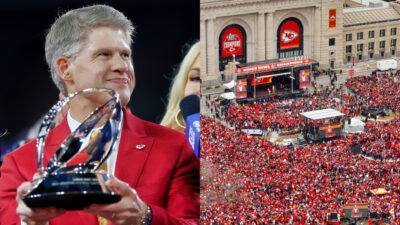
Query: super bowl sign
(232,42)
(260,68)
(289,36)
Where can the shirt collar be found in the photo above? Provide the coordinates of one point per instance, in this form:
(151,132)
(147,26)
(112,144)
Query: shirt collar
(72,123)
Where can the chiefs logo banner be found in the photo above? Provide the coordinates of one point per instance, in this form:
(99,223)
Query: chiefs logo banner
(289,35)
(332,18)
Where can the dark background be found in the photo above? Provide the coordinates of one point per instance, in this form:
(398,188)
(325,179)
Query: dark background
(27,91)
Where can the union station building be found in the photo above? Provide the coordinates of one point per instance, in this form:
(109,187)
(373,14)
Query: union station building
(334,33)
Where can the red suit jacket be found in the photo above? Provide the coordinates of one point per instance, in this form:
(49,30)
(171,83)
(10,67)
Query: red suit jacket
(165,173)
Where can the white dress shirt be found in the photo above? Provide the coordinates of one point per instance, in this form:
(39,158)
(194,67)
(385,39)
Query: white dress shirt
(112,159)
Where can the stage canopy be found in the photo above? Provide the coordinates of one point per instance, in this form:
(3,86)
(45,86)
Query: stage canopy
(228,95)
(230,85)
(321,114)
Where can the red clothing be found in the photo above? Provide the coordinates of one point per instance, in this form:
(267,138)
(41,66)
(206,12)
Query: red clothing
(165,173)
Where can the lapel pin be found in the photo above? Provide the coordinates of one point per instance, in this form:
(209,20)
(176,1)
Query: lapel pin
(140,147)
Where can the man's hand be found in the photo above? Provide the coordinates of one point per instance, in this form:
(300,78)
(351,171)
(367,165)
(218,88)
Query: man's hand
(34,216)
(129,210)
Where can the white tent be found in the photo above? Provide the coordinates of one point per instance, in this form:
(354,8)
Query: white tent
(356,126)
(230,84)
(228,95)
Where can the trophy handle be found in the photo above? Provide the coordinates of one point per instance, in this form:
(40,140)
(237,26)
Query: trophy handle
(72,145)
(44,130)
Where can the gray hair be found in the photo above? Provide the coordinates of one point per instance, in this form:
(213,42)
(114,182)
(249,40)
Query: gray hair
(69,32)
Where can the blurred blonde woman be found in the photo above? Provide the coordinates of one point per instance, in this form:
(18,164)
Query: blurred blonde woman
(186,82)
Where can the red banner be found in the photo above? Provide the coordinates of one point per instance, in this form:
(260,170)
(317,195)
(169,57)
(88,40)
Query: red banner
(332,222)
(328,135)
(265,80)
(241,85)
(232,42)
(289,35)
(272,66)
(332,18)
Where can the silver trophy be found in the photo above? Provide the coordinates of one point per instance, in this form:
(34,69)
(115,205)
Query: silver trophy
(75,186)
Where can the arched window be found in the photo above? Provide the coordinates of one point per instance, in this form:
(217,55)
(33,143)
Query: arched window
(290,38)
(232,41)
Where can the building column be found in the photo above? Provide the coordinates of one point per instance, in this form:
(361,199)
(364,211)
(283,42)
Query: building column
(203,50)
(317,35)
(212,55)
(260,49)
(270,32)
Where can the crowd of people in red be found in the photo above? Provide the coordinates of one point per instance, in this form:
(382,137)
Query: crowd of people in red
(378,90)
(253,181)
(248,180)
(284,115)
(382,140)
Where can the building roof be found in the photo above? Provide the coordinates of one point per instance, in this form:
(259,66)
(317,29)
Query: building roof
(321,114)
(370,16)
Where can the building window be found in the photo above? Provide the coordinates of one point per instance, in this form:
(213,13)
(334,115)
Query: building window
(382,33)
(331,41)
(393,52)
(360,47)
(393,31)
(382,44)
(360,57)
(371,55)
(348,37)
(371,34)
(393,43)
(348,49)
(371,46)
(360,35)
(382,53)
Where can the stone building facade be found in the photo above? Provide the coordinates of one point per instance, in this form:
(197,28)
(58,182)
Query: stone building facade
(261,30)
(370,34)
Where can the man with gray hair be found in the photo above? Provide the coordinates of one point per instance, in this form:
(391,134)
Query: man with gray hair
(154,169)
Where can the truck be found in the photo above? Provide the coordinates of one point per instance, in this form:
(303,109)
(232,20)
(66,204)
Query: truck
(386,64)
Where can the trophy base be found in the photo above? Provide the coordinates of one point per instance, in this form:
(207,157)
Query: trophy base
(70,201)
(71,191)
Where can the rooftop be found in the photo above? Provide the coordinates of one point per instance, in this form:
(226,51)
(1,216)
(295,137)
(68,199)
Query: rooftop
(321,114)
(370,16)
